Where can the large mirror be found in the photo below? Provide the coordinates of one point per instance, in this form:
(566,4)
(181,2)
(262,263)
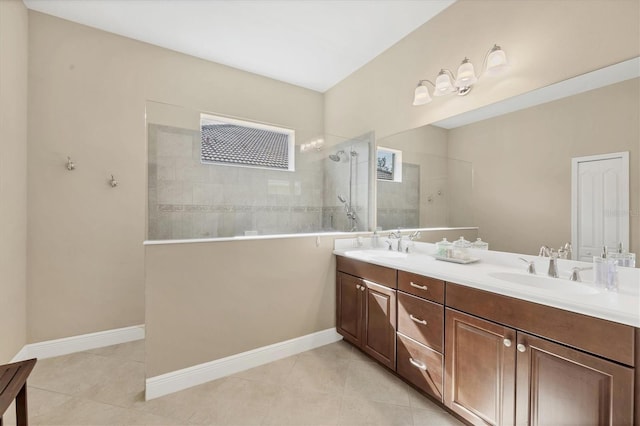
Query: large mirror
(508,169)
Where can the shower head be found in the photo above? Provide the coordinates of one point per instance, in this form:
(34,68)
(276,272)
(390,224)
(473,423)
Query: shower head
(336,157)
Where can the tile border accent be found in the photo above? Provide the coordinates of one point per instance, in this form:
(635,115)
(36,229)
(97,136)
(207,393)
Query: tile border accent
(178,380)
(83,342)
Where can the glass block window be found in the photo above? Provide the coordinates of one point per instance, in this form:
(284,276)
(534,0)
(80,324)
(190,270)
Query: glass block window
(228,141)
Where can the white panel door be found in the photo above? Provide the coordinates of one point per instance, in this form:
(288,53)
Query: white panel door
(600,204)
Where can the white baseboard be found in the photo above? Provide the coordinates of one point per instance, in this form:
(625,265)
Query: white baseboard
(198,374)
(83,342)
(21,355)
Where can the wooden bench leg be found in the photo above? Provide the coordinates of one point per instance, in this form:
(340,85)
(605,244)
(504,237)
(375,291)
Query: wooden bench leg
(21,407)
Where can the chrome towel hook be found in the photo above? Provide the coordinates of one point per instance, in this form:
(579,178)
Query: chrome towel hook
(113,182)
(70,164)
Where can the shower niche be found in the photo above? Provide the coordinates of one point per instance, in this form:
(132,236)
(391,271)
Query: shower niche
(328,190)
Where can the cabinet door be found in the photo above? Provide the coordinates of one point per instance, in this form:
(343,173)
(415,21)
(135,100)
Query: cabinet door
(479,369)
(349,294)
(559,386)
(379,338)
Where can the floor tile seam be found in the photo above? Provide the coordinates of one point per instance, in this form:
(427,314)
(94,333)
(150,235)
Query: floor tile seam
(176,419)
(114,357)
(46,389)
(355,396)
(297,387)
(87,398)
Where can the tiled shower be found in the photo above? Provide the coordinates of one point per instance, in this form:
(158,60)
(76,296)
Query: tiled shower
(191,200)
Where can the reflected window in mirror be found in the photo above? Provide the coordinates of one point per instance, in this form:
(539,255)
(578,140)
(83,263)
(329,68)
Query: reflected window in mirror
(389,164)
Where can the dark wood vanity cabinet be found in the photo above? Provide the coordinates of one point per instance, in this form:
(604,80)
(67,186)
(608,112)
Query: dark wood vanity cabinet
(480,369)
(489,358)
(420,336)
(499,375)
(366,311)
(556,383)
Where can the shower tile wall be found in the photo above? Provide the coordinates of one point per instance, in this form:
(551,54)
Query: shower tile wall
(336,182)
(188,199)
(399,202)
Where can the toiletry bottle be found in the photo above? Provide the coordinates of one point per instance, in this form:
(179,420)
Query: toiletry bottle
(600,268)
(612,275)
(375,239)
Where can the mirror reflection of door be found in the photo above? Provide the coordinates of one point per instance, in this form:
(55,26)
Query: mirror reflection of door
(599,204)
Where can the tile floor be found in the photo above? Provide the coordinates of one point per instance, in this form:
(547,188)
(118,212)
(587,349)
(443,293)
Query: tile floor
(332,385)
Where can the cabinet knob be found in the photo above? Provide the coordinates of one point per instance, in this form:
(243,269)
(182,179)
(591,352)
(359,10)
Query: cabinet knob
(418,320)
(418,364)
(358,286)
(421,287)
(507,342)
(521,347)
(362,288)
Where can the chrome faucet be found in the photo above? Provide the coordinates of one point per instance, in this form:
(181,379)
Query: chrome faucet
(565,251)
(531,265)
(414,236)
(397,235)
(553,260)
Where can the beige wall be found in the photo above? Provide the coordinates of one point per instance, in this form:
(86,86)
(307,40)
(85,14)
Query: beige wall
(87,94)
(253,293)
(206,301)
(522,164)
(13,177)
(546,41)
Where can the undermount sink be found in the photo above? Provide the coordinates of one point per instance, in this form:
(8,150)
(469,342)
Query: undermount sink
(399,258)
(380,254)
(555,285)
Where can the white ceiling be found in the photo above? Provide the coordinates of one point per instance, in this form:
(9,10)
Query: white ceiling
(309,43)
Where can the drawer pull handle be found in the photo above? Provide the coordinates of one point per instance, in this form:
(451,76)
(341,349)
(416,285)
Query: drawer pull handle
(521,347)
(418,364)
(421,287)
(418,320)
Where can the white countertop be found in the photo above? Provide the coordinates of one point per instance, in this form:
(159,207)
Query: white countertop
(585,298)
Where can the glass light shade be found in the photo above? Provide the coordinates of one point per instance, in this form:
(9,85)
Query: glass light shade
(466,74)
(443,85)
(421,95)
(496,61)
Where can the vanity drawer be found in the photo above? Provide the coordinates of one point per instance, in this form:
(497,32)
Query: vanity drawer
(368,271)
(420,365)
(421,320)
(421,286)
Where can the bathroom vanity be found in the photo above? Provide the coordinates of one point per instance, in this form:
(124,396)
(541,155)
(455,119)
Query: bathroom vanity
(491,352)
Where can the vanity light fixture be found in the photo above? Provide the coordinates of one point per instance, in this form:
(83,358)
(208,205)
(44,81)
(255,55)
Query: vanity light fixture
(495,62)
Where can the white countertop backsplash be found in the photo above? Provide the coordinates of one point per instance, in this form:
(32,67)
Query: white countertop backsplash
(622,306)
